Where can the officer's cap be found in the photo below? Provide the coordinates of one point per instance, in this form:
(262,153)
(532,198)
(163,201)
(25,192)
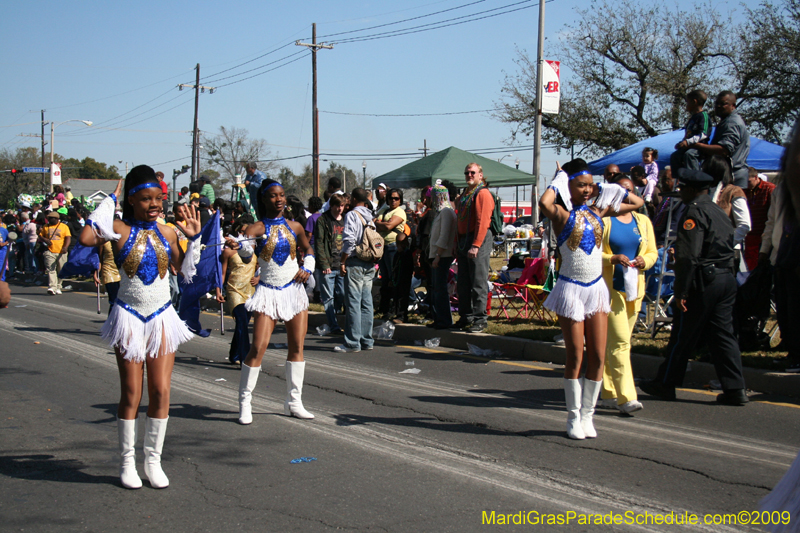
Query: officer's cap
(695,178)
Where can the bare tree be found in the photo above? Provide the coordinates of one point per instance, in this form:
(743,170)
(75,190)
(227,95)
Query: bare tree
(229,151)
(768,70)
(633,64)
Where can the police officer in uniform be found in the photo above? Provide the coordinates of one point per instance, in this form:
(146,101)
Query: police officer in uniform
(705,291)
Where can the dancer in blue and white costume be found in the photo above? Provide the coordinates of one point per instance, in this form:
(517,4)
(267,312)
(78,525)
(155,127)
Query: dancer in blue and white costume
(580,296)
(279,295)
(142,327)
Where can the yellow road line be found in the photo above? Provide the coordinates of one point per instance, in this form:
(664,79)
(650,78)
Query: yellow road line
(484,359)
(512,363)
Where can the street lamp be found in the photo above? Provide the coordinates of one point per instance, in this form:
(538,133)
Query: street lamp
(126,167)
(516,194)
(364,168)
(52,149)
(507,155)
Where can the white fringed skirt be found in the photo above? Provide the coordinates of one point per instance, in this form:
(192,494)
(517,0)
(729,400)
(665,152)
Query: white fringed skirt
(138,337)
(578,301)
(278,304)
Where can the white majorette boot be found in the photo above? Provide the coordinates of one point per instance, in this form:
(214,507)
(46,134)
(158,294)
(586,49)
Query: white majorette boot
(295,371)
(127,451)
(154,431)
(247,383)
(572,390)
(591,390)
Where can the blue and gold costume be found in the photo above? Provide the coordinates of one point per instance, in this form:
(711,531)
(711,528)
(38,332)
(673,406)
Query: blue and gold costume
(580,291)
(142,321)
(143,314)
(277,294)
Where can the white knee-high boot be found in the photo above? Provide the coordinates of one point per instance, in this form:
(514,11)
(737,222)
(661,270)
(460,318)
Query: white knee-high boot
(572,390)
(154,431)
(295,371)
(591,390)
(247,383)
(127,450)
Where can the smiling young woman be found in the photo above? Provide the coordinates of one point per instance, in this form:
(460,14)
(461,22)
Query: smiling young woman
(580,297)
(142,326)
(279,295)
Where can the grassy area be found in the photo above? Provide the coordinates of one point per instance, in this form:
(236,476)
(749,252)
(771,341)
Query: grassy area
(641,343)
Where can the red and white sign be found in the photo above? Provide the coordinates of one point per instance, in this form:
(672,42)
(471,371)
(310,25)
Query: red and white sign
(55,173)
(510,211)
(551,80)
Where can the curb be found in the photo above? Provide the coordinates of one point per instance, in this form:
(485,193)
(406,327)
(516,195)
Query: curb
(513,348)
(644,366)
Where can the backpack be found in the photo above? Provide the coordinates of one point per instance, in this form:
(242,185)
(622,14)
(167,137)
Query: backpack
(370,248)
(498,219)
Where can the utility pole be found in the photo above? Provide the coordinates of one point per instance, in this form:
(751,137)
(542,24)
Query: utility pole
(195,132)
(425,148)
(537,130)
(36,135)
(43,143)
(315,121)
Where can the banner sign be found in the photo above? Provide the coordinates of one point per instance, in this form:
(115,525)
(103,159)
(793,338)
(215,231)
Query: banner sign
(551,80)
(55,173)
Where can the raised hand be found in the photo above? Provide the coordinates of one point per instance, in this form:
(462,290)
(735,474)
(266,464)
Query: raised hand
(118,190)
(190,225)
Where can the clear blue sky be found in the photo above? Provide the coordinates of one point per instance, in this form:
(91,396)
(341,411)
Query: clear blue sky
(118,65)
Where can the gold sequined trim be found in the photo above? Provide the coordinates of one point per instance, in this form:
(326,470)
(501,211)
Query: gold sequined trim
(574,240)
(598,229)
(131,263)
(161,254)
(272,241)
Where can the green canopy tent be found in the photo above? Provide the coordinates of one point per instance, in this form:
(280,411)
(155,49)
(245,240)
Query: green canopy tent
(449,164)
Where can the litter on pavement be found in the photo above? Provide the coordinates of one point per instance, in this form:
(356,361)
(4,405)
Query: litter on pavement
(485,352)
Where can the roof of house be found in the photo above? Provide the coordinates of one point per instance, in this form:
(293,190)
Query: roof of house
(84,187)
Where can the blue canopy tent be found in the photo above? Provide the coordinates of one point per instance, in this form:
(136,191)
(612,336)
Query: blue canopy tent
(763,156)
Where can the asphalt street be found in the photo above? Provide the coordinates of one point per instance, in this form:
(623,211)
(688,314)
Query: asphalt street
(440,450)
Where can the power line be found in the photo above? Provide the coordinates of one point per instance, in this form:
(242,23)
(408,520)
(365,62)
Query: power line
(407,114)
(121,94)
(255,68)
(401,21)
(109,122)
(107,127)
(266,71)
(441,24)
(167,162)
(245,63)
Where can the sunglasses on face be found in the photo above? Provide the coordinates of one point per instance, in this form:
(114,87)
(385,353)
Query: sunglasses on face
(393,198)
(470,173)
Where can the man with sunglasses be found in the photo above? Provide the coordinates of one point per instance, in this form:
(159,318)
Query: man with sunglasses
(475,209)
(389,224)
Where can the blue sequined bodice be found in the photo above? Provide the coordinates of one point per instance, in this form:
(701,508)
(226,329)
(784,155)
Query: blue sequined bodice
(584,230)
(145,253)
(280,241)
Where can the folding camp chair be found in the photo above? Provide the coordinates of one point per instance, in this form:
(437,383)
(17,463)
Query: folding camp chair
(658,294)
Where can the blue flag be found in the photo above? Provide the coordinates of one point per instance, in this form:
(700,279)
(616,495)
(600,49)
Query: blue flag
(207,278)
(83,261)
(3,253)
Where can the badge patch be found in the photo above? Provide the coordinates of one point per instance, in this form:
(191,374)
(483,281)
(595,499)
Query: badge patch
(689,225)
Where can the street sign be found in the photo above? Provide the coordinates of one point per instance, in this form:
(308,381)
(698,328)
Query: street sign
(36,169)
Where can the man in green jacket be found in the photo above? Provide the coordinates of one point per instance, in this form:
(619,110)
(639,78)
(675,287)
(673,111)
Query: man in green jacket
(328,241)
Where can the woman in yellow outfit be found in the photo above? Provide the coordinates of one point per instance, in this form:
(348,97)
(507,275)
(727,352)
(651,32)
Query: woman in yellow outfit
(625,233)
